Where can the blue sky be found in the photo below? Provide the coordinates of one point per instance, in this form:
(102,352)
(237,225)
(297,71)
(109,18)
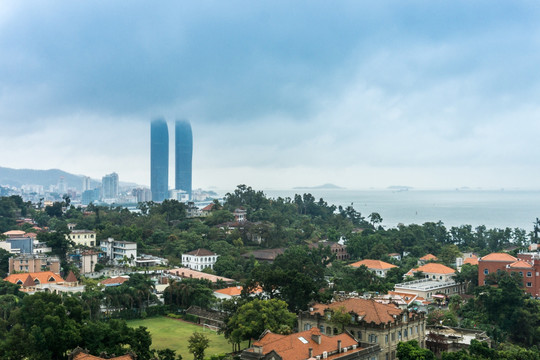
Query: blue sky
(422,93)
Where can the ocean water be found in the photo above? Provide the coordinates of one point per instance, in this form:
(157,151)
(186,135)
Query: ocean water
(494,209)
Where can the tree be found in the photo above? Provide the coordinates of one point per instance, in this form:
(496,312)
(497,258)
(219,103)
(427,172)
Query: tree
(340,317)
(197,344)
(410,350)
(256,316)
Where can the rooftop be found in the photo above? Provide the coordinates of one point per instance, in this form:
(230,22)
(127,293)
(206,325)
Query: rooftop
(373,264)
(42,277)
(423,285)
(432,268)
(429,257)
(498,257)
(296,346)
(521,265)
(201,252)
(188,273)
(369,310)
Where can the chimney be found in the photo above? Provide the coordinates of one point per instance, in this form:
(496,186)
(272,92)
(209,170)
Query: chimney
(339,346)
(316,338)
(310,353)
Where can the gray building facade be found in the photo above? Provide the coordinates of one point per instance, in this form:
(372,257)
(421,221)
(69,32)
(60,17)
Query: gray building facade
(183,155)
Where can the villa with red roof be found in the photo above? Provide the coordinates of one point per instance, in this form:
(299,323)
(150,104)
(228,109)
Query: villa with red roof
(433,271)
(437,282)
(380,268)
(309,344)
(45,281)
(527,265)
(371,322)
(427,258)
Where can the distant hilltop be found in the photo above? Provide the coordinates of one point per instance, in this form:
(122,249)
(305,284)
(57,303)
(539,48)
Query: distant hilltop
(45,178)
(399,188)
(325,186)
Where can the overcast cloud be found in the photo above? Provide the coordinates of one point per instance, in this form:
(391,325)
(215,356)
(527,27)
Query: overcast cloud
(279,94)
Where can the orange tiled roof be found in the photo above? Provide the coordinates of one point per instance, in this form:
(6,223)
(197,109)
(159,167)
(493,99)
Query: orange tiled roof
(429,257)
(521,264)
(373,264)
(14,233)
(432,268)
(498,257)
(83,356)
(236,291)
(296,346)
(371,310)
(43,277)
(208,207)
(471,261)
(189,273)
(113,281)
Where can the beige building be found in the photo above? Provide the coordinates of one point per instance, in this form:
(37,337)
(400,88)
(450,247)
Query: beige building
(371,322)
(83,238)
(378,267)
(34,263)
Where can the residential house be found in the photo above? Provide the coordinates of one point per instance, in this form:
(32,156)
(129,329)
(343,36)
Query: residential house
(45,281)
(83,237)
(186,273)
(119,252)
(526,264)
(437,282)
(441,339)
(309,344)
(199,259)
(234,292)
(266,255)
(395,256)
(378,267)
(33,263)
(81,354)
(382,324)
(205,211)
(427,258)
(339,250)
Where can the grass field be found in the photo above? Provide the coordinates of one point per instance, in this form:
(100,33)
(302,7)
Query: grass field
(174,334)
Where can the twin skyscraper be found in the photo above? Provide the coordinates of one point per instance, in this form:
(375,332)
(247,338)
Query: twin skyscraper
(159,158)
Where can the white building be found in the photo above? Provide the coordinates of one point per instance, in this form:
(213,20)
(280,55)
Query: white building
(118,251)
(199,259)
(83,237)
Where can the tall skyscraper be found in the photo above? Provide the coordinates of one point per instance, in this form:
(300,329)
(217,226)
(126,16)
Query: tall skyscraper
(159,160)
(109,186)
(86,183)
(183,140)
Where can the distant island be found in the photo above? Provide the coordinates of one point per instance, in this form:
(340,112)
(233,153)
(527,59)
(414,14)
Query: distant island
(399,188)
(324,186)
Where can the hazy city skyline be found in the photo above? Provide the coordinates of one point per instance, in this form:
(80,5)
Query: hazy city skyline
(430,95)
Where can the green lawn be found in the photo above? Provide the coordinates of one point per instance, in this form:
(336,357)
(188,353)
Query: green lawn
(174,334)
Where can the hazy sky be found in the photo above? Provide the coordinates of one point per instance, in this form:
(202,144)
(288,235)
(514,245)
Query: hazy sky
(279,93)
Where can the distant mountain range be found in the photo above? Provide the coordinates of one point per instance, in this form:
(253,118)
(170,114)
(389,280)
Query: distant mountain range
(324,186)
(19,177)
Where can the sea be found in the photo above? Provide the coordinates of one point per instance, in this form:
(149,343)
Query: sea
(492,208)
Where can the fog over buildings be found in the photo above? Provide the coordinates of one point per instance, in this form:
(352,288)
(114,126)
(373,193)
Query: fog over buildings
(358,94)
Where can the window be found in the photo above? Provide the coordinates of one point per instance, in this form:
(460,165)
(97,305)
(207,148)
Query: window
(399,335)
(521,273)
(386,339)
(393,336)
(322,329)
(352,318)
(405,333)
(486,271)
(529,274)
(359,335)
(529,284)
(307,326)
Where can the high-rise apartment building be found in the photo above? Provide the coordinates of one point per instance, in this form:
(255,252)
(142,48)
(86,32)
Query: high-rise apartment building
(86,183)
(109,185)
(159,160)
(183,141)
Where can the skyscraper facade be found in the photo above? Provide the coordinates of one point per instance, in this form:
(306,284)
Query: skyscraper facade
(159,160)
(183,140)
(109,186)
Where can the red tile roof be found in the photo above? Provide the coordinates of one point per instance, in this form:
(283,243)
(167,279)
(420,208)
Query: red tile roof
(43,277)
(236,291)
(71,277)
(373,264)
(201,252)
(83,356)
(429,257)
(432,268)
(498,257)
(370,310)
(296,346)
(208,207)
(471,261)
(521,264)
(119,280)
(188,273)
